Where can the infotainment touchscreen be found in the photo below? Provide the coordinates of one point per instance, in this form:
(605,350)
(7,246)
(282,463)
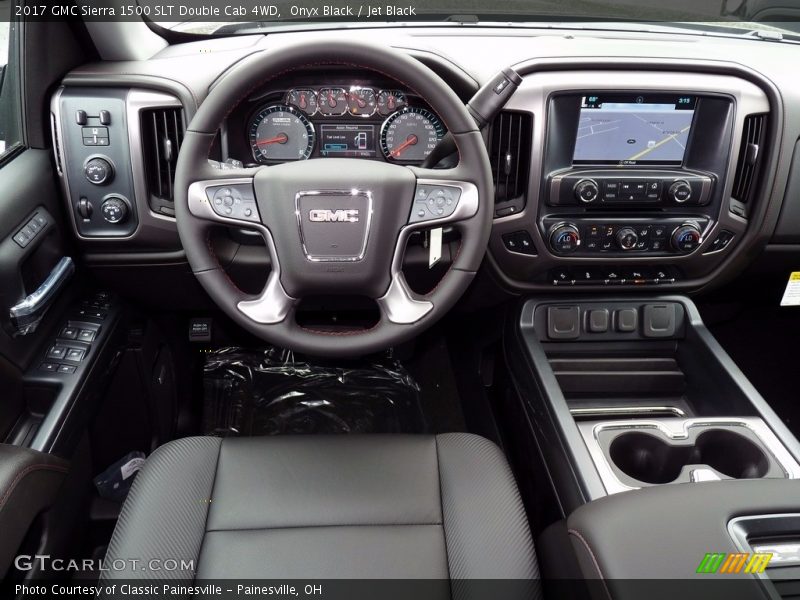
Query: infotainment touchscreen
(633,129)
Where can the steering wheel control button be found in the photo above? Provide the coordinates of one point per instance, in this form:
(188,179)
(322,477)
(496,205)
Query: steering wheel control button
(98,171)
(563,322)
(234,202)
(114,209)
(519,242)
(434,202)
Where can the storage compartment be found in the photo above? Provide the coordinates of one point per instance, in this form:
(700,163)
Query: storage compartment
(627,393)
(638,453)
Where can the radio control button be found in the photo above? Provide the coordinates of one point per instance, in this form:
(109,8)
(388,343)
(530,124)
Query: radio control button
(653,190)
(586,191)
(680,191)
(633,188)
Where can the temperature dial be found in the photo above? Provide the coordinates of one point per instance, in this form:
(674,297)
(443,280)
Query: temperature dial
(686,238)
(114,210)
(565,238)
(98,171)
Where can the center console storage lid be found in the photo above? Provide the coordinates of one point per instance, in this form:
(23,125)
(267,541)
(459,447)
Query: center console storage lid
(663,533)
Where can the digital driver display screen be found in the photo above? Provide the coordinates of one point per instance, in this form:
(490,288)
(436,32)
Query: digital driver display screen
(347,140)
(616,129)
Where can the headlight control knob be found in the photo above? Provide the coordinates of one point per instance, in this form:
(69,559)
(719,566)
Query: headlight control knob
(114,210)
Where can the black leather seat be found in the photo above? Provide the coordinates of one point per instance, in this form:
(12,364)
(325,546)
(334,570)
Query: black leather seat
(389,506)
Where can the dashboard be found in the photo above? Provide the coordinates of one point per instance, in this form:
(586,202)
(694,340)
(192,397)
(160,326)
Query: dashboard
(625,162)
(322,115)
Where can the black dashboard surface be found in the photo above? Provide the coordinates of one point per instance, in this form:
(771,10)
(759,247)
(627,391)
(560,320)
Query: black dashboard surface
(467,57)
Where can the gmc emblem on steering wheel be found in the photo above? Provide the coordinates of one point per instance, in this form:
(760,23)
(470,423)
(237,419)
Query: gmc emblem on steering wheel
(325,215)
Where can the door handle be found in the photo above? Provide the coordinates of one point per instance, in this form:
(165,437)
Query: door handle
(26,314)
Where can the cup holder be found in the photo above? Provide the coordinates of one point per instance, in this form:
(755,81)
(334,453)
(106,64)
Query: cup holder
(731,454)
(648,458)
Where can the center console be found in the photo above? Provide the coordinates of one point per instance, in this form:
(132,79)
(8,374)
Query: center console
(658,449)
(636,178)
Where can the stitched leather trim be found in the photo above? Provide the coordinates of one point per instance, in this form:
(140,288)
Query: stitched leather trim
(575,533)
(26,471)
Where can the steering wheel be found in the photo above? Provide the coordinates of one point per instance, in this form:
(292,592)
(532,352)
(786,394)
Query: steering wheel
(333,225)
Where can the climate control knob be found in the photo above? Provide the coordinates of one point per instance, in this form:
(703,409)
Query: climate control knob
(565,238)
(627,238)
(114,210)
(98,171)
(680,191)
(686,238)
(586,191)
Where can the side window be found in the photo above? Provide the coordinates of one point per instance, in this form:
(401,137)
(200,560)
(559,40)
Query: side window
(10,106)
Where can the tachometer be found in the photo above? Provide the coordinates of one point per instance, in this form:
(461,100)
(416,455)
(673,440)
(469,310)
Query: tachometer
(410,135)
(281,132)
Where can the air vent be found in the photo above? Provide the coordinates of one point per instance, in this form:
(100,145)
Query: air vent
(749,157)
(510,154)
(162,135)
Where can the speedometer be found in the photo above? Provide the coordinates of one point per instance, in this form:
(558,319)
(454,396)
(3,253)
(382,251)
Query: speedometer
(410,135)
(281,132)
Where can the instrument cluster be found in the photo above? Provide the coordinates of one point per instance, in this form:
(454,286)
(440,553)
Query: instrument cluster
(343,121)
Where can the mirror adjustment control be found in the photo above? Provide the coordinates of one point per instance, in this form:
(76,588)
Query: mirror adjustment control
(98,170)
(565,238)
(114,209)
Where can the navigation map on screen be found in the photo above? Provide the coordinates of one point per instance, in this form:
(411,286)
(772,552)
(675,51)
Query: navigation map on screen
(632,130)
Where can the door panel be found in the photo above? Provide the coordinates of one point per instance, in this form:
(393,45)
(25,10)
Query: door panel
(29,190)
